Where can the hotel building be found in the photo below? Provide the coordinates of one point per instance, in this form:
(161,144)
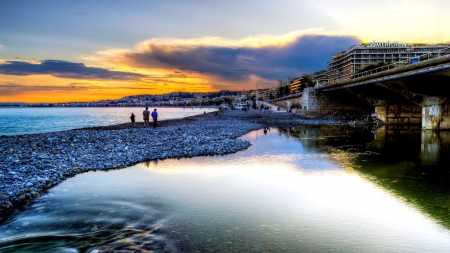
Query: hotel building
(345,64)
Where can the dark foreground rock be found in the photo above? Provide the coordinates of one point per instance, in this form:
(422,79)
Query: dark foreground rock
(30,164)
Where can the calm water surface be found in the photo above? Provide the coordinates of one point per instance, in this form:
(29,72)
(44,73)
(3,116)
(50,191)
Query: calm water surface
(28,120)
(294,190)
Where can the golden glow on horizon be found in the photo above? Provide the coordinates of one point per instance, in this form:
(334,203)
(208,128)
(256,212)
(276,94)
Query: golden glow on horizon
(49,89)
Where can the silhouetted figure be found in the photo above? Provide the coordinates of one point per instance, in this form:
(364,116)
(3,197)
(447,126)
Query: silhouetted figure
(146,114)
(155,117)
(132,118)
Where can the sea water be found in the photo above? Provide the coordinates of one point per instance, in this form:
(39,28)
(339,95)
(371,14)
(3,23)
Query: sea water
(15,121)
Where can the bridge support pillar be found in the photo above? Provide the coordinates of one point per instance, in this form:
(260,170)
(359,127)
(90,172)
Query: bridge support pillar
(409,114)
(435,115)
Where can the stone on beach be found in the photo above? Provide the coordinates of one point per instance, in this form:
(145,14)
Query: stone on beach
(31,164)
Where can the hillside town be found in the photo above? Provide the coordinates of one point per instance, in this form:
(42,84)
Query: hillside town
(173,99)
(180,99)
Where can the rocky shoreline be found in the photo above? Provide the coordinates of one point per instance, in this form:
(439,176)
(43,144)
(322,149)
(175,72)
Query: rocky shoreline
(31,164)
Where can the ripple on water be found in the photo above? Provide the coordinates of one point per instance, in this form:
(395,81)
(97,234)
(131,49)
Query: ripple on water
(84,225)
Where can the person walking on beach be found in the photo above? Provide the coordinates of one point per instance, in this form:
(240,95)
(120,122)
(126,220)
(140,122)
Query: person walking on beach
(155,117)
(132,118)
(146,114)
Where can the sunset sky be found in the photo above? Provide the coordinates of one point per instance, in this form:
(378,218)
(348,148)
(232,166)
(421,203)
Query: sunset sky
(61,51)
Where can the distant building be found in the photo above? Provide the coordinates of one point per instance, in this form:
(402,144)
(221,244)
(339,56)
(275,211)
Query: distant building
(284,87)
(347,63)
(240,98)
(262,94)
(270,93)
(320,78)
(296,85)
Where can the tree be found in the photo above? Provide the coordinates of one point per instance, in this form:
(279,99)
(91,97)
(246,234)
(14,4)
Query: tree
(280,91)
(287,90)
(306,81)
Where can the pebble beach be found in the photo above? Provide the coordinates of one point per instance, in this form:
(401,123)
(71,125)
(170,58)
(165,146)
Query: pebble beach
(30,164)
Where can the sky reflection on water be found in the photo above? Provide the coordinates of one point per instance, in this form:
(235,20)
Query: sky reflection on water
(283,194)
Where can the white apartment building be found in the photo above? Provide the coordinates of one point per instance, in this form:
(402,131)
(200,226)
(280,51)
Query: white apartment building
(345,64)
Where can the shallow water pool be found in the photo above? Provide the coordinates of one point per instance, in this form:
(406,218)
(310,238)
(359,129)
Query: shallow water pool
(293,190)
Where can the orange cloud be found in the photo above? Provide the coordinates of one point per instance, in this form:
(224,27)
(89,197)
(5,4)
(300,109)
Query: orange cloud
(230,63)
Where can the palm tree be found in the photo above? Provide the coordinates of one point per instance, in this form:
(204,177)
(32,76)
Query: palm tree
(306,81)
(280,91)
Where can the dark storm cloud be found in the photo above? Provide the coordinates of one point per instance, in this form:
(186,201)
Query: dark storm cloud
(64,69)
(307,54)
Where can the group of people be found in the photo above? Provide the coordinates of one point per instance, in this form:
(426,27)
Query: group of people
(266,108)
(146,114)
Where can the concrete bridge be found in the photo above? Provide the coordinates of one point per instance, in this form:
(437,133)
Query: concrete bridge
(412,93)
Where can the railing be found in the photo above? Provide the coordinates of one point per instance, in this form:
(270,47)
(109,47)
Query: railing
(411,60)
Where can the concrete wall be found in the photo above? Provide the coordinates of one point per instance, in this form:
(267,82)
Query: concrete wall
(399,113)
(292,99)
(436,117)
(314,104)
(309,100)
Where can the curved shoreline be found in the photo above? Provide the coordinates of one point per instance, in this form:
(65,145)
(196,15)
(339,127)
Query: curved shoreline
(70,118)
(33,163)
